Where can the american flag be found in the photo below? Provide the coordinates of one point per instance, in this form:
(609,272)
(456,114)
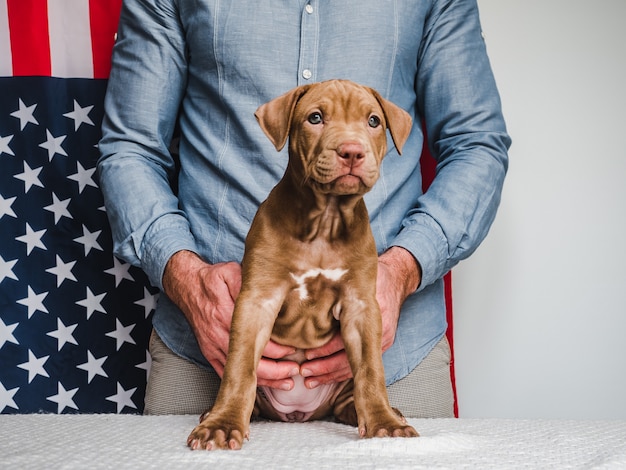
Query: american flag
(74,320)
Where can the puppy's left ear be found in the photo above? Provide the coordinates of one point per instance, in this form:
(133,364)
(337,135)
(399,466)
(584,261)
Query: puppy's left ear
(398,120)
(275,116)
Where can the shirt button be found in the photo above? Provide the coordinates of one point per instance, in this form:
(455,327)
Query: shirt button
(306,73)
(308,8)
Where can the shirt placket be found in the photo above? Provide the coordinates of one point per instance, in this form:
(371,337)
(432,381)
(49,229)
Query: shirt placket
(309,41)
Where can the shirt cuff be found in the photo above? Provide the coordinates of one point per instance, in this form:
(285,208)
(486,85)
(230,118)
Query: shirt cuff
(425,240)
(165,237)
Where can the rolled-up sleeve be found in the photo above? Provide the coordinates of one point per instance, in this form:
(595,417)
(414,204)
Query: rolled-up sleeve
(136,169)
(459,101)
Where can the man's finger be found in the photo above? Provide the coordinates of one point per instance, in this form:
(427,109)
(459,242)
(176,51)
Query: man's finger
(333,368)
(333,346)
(269,370)
(277,351)
(335,376)
(218,367)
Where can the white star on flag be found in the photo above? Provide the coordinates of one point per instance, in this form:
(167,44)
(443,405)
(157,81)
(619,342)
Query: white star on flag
(80,115)
(6,269)
(25,114)
(53,145)
(146,365)
(32,239)
(93,366)
(6,334)
(30,177)
(123,398)
(120,271)
(4,145)
(6,398)
(83,177)
(34,366)
(64,398)
(148,302)
(62,271)
(121,334)
(59,208)
(89,240)
(34,302)
(5,207)
(63,334)
(92,303)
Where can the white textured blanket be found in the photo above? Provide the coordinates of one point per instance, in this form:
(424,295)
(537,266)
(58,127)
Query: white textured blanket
(127,441)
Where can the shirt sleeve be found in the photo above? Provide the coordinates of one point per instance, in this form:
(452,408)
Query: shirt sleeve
(136,169)
(459,101)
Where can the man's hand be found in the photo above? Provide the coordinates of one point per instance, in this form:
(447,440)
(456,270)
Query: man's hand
(399,275)
(206,294)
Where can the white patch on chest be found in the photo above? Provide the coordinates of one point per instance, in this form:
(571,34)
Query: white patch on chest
(330,274)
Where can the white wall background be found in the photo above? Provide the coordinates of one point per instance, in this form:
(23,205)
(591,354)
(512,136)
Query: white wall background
(540,309)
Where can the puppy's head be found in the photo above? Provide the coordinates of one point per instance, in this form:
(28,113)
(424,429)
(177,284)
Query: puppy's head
(337,133)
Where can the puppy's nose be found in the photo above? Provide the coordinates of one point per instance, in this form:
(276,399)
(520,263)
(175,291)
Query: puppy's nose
(352,153)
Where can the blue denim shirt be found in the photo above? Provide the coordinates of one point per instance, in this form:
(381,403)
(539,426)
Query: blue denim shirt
(211,63)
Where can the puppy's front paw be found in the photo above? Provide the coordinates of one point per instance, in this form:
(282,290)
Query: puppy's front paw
(214,433)
(391,425)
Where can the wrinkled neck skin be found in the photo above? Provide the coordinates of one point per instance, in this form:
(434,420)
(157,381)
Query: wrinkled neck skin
(319,212)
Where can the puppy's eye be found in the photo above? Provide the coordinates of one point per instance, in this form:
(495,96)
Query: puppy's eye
(315,118)
(374,121)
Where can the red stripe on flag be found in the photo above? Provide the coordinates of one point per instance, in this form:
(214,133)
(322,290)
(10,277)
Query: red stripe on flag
(429,167)
(104,17)
(30,44)
(447,280)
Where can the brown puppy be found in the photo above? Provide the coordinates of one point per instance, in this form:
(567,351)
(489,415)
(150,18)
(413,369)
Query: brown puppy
(310,266)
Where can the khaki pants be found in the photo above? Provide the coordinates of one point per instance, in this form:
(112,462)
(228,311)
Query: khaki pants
(177,386)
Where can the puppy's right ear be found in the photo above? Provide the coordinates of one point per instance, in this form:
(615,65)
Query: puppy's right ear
(275,116)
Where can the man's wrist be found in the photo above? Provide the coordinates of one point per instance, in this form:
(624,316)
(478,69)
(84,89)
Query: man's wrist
(177,266)
(406,268)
